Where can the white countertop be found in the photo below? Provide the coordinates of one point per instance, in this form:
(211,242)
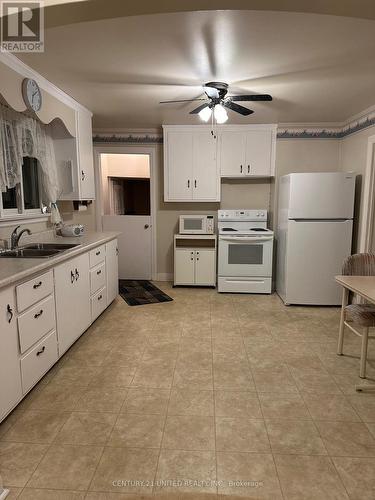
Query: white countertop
(16,269)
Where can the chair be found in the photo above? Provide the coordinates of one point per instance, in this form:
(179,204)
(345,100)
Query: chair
(360,264)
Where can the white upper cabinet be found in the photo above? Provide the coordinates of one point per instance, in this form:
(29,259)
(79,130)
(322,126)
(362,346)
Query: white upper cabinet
(75,162)
(85,155)
(191,171)
(178,165)
(247,150)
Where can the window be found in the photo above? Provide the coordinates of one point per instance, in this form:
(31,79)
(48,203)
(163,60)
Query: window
(27,196)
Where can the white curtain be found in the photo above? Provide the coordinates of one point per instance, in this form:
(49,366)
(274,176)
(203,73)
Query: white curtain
(20,136)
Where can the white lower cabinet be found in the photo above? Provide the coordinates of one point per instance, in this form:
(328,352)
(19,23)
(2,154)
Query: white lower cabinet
(195,260)
(53,310)
(184,265)
(72,291)
(10,374)
(38,361)
(111,264)
(205,267)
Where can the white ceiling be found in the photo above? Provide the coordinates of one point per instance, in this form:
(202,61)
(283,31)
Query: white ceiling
(318,68)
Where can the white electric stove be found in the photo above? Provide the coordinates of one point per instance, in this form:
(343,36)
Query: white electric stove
(245,251)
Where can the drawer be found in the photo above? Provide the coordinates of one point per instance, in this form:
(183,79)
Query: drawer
(38,361)
(36,322)
(34,290)
(98,303)
(97,277)
(97,255)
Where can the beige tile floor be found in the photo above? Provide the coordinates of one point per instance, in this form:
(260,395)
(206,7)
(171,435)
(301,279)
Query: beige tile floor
(208,396)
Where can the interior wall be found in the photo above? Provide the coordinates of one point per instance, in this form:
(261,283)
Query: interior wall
(353,157)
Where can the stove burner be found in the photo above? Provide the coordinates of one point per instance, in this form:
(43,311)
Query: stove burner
(228,229)
(258,229)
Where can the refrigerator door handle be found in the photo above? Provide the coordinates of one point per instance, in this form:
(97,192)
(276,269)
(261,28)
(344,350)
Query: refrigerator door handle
(321,220)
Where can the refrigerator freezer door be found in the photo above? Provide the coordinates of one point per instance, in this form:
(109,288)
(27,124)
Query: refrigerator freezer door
(321,196)
(315,254)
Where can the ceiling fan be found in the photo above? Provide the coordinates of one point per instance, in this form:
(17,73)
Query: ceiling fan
(218,100)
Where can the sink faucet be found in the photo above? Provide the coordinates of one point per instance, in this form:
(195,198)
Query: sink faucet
(15,237)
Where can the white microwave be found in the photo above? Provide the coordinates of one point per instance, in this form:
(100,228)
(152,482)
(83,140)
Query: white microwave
(196,224)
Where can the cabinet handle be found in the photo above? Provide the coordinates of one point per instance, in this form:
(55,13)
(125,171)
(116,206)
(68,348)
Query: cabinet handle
(77,274)
(116,251)
(241,168)
(10,313)
(83,175)
(248,169)
(195,183)
(99,272)
(72,277)
(97,253)
(100,297)
(188,183)
(36,315)
(37,285)
(41,351)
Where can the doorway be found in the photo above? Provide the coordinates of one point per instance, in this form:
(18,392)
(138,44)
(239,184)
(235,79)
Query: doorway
(125,205)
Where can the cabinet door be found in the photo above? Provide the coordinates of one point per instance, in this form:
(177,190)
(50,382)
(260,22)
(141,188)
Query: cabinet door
(232,153)
(178,166)
(72,290)
(258,153)
(206,178)
(184,267)
(205,267)
(10,371)
(85,155)
(111,257)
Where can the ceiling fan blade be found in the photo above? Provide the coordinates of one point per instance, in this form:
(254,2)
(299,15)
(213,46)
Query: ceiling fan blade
(183,100)
(237,108)
(211,92)
(255,97)
(198,109)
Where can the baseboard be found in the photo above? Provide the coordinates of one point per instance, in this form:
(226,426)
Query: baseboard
(163,277)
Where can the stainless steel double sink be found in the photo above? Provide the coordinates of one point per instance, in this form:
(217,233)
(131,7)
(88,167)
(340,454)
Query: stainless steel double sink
(38,250)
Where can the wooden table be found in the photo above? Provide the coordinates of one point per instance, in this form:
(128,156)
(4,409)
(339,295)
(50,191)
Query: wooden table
(364,286)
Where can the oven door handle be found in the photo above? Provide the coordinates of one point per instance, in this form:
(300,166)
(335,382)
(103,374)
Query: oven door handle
(245,239)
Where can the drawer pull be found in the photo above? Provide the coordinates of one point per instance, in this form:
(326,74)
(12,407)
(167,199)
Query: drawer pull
(36,315)
(100,297)
(77,274)
(37,285)
(83,175)
(10,313)
(72,277)
(99,272)
(41,351)
(97,253)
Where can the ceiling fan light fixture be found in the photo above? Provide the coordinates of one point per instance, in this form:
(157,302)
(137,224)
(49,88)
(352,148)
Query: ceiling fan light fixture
(205,114)
(220,113)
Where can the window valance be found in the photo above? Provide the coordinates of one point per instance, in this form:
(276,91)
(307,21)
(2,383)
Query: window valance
(20,136)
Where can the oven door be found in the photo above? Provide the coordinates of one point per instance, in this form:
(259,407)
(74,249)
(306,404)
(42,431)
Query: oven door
(245,256)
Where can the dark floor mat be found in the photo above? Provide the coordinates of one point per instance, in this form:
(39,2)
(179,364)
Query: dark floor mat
(140,292)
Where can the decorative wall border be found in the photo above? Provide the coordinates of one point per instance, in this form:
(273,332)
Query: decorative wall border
(293,132)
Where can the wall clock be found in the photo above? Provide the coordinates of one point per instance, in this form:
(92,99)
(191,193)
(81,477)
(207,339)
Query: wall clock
(31,94)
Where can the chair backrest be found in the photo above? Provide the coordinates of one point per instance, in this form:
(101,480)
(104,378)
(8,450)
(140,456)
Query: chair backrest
(359,264)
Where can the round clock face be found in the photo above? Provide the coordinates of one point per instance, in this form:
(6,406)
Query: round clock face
(32,94)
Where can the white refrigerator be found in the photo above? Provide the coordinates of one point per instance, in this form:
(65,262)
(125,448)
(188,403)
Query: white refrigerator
(314,235)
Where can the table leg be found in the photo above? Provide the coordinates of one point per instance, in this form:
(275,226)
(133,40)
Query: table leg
(344,303)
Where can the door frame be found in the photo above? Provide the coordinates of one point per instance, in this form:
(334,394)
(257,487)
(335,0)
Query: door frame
(128,149)
(368,205)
